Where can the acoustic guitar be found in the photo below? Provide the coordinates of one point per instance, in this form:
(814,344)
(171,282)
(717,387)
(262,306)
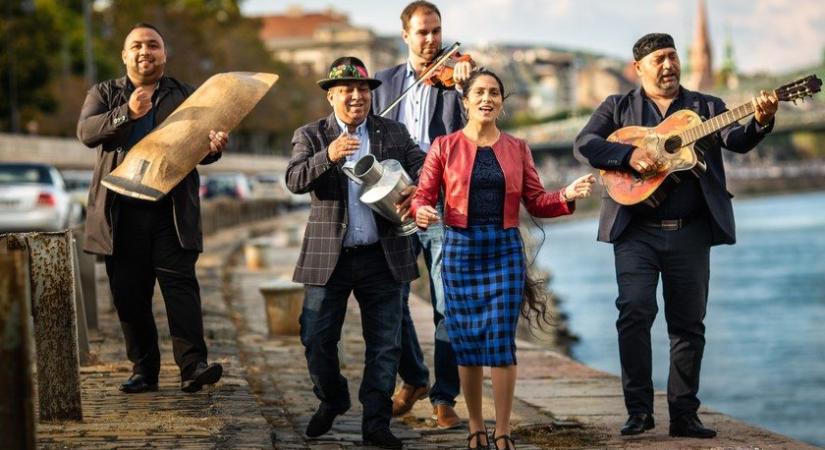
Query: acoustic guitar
(673,144)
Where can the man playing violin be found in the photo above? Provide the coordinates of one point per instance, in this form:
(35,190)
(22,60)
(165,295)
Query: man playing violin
(429,110)
(671,240)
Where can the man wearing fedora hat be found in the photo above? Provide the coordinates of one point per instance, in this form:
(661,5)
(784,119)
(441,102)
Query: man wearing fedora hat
(349,249)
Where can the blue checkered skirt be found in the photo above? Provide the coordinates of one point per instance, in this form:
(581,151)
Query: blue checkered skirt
(483,275)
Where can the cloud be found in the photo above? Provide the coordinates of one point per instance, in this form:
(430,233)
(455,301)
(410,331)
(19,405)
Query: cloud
(777,34)
(767,34)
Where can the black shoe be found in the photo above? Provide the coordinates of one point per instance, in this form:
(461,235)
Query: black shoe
(204,374)
(138,383)
(383,439)
(690,426)
(321,421)
(637,424)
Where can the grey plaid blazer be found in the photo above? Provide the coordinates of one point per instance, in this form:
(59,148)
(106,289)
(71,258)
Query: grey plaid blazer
(309,170)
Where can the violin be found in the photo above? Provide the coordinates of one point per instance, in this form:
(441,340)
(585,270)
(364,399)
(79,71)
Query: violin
(443,75)
(439,71)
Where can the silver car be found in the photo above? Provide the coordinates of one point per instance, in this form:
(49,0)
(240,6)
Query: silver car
(33,197)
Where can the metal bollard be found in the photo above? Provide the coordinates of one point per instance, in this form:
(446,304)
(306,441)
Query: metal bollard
(17,424)
(264,252)
(88,283)
(80,308)
(252,255)
(55,324)
(283,300)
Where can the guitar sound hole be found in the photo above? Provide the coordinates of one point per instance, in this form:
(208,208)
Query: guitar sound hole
(673,144)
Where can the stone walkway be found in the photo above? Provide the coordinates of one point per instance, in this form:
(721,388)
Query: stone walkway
(277,371)
(265,398)
(559,403)
(224,416)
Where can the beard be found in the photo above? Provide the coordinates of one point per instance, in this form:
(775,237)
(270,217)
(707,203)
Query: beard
(151,73)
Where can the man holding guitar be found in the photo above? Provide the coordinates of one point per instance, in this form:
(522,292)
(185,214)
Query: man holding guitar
(667,234)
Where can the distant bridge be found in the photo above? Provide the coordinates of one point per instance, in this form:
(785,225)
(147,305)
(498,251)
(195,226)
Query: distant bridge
(556,138)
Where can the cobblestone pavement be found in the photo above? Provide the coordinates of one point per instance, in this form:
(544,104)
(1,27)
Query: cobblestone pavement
(559,403)
(278,373)
(225,415)
(265,398)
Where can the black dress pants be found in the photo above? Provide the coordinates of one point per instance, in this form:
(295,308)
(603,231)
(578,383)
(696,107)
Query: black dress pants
(365,273)
(146,248)
(682,258)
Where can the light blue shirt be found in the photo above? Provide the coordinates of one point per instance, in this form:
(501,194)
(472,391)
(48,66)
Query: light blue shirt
(414,110)
(362,229)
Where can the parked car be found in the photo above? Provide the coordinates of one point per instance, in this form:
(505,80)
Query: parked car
(295,201)
(77,184)
(33,197)
(227,184)
(268,186)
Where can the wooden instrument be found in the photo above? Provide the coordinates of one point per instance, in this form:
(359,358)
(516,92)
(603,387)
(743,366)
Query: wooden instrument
(673,142)
(431,71)
(159,161)
(443,76)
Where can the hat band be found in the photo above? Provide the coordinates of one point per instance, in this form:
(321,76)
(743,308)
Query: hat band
(347,71)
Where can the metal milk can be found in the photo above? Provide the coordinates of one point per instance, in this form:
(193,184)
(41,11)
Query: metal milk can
(381,183)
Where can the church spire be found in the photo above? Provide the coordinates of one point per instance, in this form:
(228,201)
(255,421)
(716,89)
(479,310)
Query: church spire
(727,72)
(701,63)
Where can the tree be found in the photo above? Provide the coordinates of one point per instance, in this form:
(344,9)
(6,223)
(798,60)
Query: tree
(42,44)
(42,66)
(204,37)
(27,64)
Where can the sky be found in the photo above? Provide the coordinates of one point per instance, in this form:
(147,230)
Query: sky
(768,35)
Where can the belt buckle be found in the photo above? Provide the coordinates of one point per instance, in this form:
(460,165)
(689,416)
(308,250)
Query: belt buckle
(671,224)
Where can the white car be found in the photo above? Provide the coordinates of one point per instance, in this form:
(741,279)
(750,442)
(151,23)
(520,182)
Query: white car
(77,184)
(33,197)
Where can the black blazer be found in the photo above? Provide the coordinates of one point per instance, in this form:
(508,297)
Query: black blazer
(618,111)
(310,170)
(445,104)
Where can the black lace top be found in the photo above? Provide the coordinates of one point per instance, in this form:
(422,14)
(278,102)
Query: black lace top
(486,205)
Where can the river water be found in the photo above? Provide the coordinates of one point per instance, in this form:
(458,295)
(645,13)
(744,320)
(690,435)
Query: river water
(764,358)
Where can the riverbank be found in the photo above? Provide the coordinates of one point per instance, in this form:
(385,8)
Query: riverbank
(265,398)
(764,311)
(559,403)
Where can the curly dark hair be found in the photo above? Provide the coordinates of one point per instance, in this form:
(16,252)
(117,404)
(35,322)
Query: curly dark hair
(534,305)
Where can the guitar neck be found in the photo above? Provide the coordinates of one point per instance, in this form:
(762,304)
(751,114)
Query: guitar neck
(716,123)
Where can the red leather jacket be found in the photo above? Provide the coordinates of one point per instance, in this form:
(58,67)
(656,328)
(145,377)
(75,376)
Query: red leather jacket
(449,164)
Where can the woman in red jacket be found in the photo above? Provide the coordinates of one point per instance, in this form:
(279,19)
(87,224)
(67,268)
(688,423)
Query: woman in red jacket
(485,175)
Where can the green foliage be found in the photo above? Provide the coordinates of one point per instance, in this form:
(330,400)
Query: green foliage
(25,66)
(202,37)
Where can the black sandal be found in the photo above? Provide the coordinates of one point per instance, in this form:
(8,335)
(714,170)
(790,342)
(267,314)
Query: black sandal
(507,441)
(477,436)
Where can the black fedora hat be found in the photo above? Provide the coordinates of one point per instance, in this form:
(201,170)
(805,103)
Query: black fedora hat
(347,68)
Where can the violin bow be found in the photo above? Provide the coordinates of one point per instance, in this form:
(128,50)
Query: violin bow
(438,63)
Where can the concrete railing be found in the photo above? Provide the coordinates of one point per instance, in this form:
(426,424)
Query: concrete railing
(66,153)
(224,213)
